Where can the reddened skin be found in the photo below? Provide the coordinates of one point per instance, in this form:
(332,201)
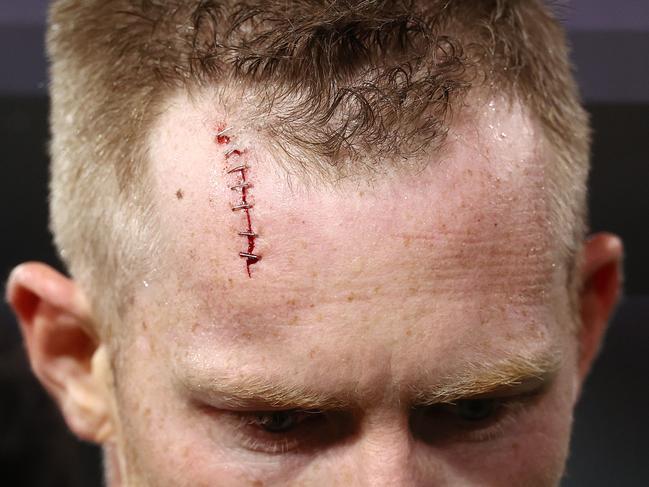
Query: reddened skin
(601,277)
(64,350)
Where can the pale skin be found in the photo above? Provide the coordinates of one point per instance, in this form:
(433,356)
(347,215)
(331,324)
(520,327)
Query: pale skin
(415,331)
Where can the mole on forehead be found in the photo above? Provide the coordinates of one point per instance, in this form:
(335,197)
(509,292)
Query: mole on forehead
(238,170)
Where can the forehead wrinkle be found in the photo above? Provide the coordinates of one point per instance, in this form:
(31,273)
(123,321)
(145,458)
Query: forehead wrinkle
(487,278)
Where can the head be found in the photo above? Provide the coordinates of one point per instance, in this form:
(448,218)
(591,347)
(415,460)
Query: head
(317,243)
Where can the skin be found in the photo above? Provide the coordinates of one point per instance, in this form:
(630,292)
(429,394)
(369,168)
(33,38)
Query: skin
(374,306)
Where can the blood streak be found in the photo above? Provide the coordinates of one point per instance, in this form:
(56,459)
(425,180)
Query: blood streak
(251,234)
(244,205)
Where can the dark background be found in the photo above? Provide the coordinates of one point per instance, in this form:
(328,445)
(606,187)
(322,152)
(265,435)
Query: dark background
(611,51)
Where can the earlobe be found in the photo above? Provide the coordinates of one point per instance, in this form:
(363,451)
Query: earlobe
(601,273)
(56,324)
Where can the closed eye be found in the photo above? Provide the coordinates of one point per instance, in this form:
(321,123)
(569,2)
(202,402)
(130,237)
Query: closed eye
(284,431)
(279,422)
(469,420)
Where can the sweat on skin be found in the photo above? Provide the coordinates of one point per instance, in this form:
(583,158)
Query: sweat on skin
(365,294)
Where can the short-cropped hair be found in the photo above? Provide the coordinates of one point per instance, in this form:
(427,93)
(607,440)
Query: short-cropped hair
(343,85)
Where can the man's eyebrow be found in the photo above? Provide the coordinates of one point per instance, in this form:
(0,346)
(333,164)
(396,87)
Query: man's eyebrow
(260,392)
(510,375)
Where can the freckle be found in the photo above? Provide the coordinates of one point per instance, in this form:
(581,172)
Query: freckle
(291,302)
(194,327)
(180,194)
(312,305)
(351,297)
(129,301)
(347,478)
(247,335)
(186,452)
(144,326)
(407,241)
(408,332)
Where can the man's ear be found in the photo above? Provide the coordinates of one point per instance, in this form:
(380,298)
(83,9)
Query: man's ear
(56,324)
(601,274)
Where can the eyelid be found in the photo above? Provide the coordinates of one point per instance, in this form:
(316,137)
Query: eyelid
(507,416)
(454,429)
(514,393)
(520,391)
(309,432)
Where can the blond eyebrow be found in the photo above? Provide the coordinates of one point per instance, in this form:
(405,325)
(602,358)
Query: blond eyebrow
(243,391)
(514,374)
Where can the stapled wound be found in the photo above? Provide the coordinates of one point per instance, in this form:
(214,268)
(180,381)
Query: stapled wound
(242,187)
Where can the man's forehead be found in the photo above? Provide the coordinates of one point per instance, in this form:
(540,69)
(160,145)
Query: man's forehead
(474,220)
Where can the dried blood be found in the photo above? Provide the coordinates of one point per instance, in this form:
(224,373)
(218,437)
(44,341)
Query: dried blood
(221,138)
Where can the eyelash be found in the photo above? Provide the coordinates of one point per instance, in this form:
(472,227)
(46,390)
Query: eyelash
(495,426)
(251,436)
